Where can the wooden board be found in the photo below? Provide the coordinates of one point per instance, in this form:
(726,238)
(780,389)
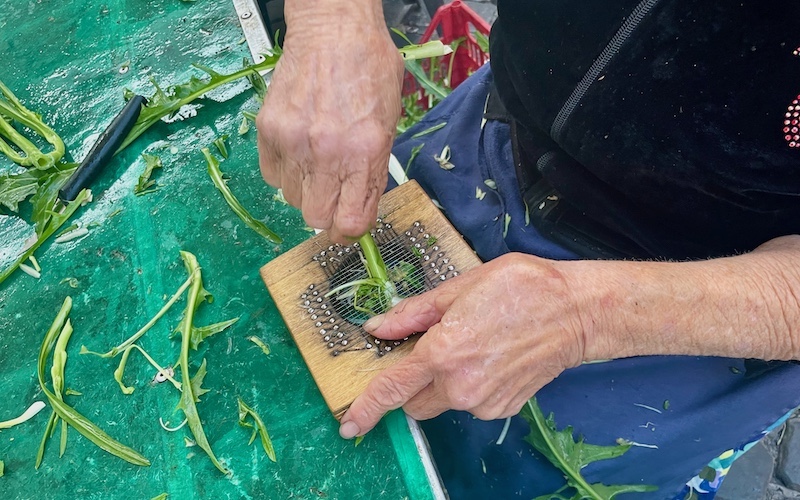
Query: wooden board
(341,356)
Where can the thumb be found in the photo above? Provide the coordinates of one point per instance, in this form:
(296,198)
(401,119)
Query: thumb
(414,314)
(389,390)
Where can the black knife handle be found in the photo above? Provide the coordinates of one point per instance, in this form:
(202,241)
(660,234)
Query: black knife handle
(104,149)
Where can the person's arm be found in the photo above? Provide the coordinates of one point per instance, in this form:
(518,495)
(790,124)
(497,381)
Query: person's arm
(326,127)
(497,334)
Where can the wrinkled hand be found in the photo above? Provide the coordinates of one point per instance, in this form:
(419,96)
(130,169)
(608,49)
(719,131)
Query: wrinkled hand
(326,128)
(495,336)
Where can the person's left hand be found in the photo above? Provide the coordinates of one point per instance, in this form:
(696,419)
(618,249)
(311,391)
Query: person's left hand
(495,336)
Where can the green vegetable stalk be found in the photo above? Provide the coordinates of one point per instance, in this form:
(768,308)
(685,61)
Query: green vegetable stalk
(258,428)
(56,337)
(251,222)
(190,387)
(378,292)
(27,153)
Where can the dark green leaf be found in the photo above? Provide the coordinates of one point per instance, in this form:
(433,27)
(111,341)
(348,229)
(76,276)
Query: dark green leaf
(570,456)
(165,103)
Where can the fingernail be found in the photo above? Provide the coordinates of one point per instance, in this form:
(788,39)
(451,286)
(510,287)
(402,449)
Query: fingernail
(374,323)
(349,430)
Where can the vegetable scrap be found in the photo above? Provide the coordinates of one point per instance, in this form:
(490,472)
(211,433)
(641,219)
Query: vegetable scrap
(145,184)
(251,222)
(443,159)
(55,343)
(22,150)
(244,127)
(570,456)
(260,343)
(219,142)
(246,411)
(28,414)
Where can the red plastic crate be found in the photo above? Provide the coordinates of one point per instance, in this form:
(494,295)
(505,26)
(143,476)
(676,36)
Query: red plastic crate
(457,21)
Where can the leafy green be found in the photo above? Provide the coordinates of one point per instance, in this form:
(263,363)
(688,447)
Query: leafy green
(429,130)
(427,50)
(219,142)
(257,81)
(569,456)
(26,154)
(200,333)
(66,412)
(259,428)
(56,221)
(17,188)
(483,41)
(376,293)
(145,184)
(165,103)
(46,196)
(136,336)
(244,127)
(414,153)
(197,294)
(238,209)
(260,343)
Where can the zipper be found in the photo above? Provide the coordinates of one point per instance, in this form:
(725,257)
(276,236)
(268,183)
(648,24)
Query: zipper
(599,64)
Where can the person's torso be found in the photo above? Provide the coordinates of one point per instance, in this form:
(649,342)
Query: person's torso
(671,122)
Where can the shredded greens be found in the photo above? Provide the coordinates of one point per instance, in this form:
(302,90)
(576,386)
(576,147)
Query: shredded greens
(56,338)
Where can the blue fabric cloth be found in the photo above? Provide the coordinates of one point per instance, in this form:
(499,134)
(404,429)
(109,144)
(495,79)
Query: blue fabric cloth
(713,406)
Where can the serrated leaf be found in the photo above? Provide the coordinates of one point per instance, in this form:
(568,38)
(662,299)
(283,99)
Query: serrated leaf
(200,333)
(164,103)
(197,382)
(570,456)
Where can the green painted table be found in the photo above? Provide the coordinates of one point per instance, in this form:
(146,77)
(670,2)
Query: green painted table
(70,61)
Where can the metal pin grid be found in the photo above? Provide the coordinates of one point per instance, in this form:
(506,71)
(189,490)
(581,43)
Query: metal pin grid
(414,261)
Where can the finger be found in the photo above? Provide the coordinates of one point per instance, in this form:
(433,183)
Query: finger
(320,196)
(269,162)
(428,403)
(292,183)
(388,391)
(357,206)
(415,314)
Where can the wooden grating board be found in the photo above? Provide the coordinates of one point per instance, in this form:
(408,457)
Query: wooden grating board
(341,356)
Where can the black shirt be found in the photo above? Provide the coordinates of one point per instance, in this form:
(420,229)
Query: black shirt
(670,123)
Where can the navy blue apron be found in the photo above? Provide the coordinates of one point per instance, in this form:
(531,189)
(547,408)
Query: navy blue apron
(714,405)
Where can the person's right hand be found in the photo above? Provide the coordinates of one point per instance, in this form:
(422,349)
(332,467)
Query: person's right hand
(325,130)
